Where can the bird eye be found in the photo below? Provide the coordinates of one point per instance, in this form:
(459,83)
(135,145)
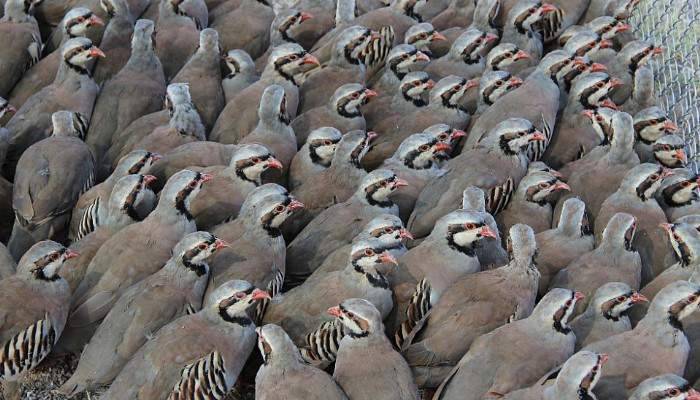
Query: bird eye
(350,315)
(442,136)
(654,177)
(355,95)
(621,298)
(383,183)
(607,28)
(521,134)
(544,185)
(404,56)
(423,36)
(327,142)
(417,83)
(240,295)
(81,19)
(54,256)
(369,252)
(685,184)
(388,229)
(692,298)
(599,118)
(591,45)
(499,83)
(676,237)
(600,85)
(293,57)
(654,121)
(470,226)
(193,184)
(478,40)
(581,67)
(532,10)
(674,392)
(568,303)
(424,147)
(666,147)
(255,160)
(279,208)
(508,54)
(202,246)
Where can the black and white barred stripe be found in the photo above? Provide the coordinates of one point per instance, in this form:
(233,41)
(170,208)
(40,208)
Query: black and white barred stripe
(417,311)
(273,289)
(204,379)
(498,197)
(323,343)
(376,52)
(535,150)
(27,349)
(90,220)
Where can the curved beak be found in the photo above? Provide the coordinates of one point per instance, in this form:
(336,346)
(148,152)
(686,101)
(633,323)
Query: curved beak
(295,205)
(598,67)
(537,137)
(95,20)
(272,162)
(10,109)
(305,16)
(442,146)
(371,135)
(148,179)
(96,52)
(670,126)
(471,84)
(420,56)
(220,244)
(607,103)
(623,27)
(399,183)
(521,55)
(70,254)
(485,231)
(514,82)
(369,94)
(666,226)
(457,133)
(155,157)
(437,36)
(638,298)
(561,186)
(430,84)
(548,8)
(310,59)
(578,296)
(603,358)
(692,394)
(259,294)
(605,44)
(405,234)
(680,155)
(206,177)
(658,50)
(490,37)
(387,258)
(588,113)
(334,311)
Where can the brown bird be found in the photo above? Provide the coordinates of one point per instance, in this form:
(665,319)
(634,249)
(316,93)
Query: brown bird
(491,253)
(283,29)
(465,56)
(177,28)
(678,195)
(619,9)
(669,151)
(629,60)
(19,27)
(650,124)
(515,355)
(246,27)
(473,306)
(614,260)
(241,73)
(116,40)
(524,21)
(314,156)
(423,36)
(387,112)
(401,60)
(196,154)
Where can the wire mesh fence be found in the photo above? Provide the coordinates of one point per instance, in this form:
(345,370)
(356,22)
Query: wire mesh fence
(675,25)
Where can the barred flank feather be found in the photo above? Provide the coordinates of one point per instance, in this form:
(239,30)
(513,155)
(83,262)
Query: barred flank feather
(323,343)
(273,289)
(27,349)
(416,313)
(89,221)
(499,196)
(376,52)
(204,379)
(535,150)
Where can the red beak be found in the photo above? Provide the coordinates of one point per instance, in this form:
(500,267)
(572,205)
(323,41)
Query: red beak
(272,162)
(70,254)
(457,133)
(485,231)
(371,135)
(638,298)
(561,186)
(588,113)
(310,59)
(471,83)
(430,84)
(10,109)
(538,137)
(304,16)
(605,44)
(578,296)
(515,81)
(206,177)
(295,205)
(438,36)
(598,67)
(603,358)
(95,52)
(369,93)
(622,27)
(520,55)
(220,244)
(614,82)
(399,183)
(692,394)
(680,155)
(420,56)
(95,20)
(260,294)
(490,37)
(442,146)
(607,103)
(666,226)
(148,179)
(155,157)
(548,8)
(405,234)
(387,258)
(658,50)
(334,311)
(670,126)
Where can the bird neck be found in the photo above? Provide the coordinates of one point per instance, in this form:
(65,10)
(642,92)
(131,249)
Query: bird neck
(69,71)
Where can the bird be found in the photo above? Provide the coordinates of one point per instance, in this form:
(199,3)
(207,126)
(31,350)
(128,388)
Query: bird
(633,56)
(35,309)
(666,385)
(401,60)
(613,260)
(247,27)
(241,73)
(47,185)
(532,202)
(496,166)
(72,90)
(231,184)
(490,253)
(284,373)
(619,9)
(200,154)
(606,26)
(365,347)
(482,17)
(492,86)
(283,29)
(314,156)
(495,363)
(203,73)
(106,279)
(91,207)
(285,66)
(568,240)
(301,310)
(669,151)
(678,195)
(423,36)
(338,224)
(465,56)
(577,377)
(659,334)
(507,57)
(21,29)
(75,23)
(521,27)
(636,197)
(136,90)
(588,43)
(650,124)
(197,354)
(116,40)
(173,291)
(343,112)
(643,93)
(606,314)
(8,266)
(458,13)
(177,26)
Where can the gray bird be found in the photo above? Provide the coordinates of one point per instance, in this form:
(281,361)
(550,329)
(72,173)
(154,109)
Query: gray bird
(633,56)
(314,156)
(669,151)
(34,311)
(241,73)
(48,183)
(507,57)
(177,26)
(678,195)
(465,57)
(658,335)
(606,314)
(284,374)
(19,27)
(8,266)
(401,60)
(650,124)
(490,253)
(116,40)
(366,348)
(196,355)
(521,27)
(619,9)
(667,386)
(173,291)
(515,355)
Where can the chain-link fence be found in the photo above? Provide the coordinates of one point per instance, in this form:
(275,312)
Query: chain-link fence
(675,25)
